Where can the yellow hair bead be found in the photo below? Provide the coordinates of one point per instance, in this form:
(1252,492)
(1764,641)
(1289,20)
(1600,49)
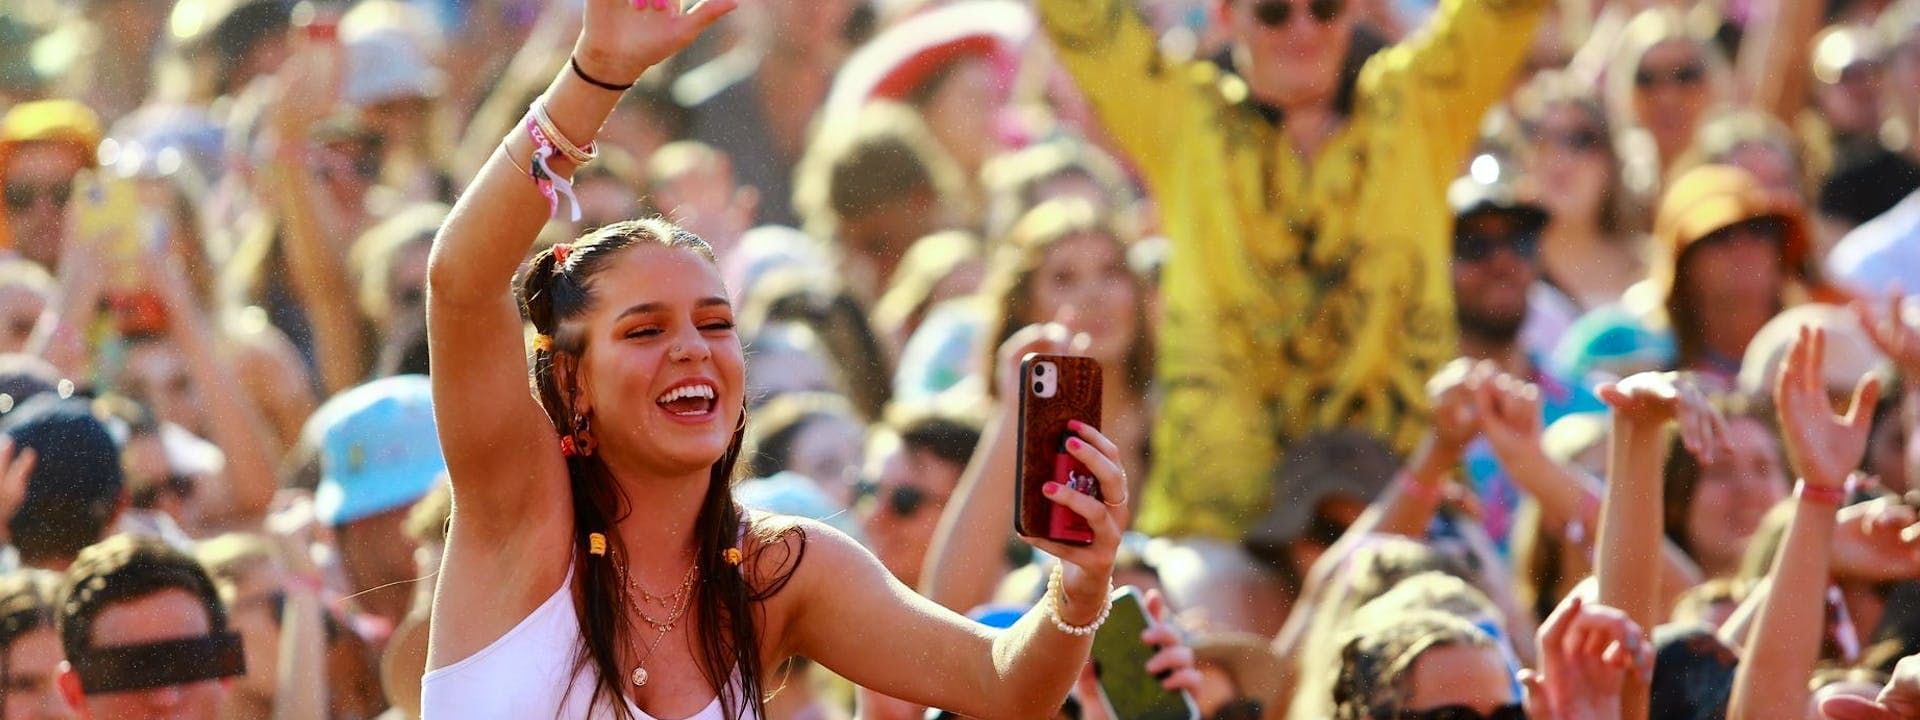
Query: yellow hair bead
(597,545)
(733,556)
(543,342)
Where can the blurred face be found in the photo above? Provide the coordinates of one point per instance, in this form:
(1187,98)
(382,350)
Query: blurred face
(20,310)
(378,558)
(156,374)
(1463,675)
(166,615)
(1493,268)
(1088,275)
(31,690)
(961,112)
(911,488)
(402,122)
(1734,494)
(605,201)
(39,184)
(1289,51)
(1671,95)
(1852,105)
(1886,456)
(1772,165)
(663,377)
(780,368)
(827,450)
(1570,163)
(1737,267)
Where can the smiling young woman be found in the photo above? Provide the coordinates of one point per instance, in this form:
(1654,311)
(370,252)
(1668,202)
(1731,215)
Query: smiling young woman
(597,564)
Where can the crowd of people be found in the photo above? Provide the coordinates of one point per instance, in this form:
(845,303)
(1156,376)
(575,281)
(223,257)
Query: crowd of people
(1461,359)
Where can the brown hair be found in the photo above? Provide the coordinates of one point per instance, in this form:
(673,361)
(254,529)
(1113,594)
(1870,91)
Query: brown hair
(1621,211)
(1376,661)
(554,293)
(1009,285)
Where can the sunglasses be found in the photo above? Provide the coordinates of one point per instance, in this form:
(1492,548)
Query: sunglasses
(1687,75)
(1771,229)
(1274,14)
(1477,247)
(903,501)
(1461,712)
(22,197)
(1580,140)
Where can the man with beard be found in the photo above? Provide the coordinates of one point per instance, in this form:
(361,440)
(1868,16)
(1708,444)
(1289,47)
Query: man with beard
(1496,263)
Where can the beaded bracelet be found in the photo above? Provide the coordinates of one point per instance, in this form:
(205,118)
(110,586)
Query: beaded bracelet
(1053,606)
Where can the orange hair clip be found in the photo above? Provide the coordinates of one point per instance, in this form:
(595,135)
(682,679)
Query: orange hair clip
(733,556)
(543,343)
(560,253)
(597,545)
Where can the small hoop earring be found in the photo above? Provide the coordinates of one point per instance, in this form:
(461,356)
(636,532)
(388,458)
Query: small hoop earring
(581,440)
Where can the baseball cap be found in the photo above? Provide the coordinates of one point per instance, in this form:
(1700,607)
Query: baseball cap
(386,64)
(1469,197)
(1710,198)
(1850,354)
(78,469)
(379,449)
(1316,467)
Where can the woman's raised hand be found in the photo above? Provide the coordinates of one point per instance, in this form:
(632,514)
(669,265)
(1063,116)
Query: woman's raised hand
(1172,661)
(1891,332)
(1653,399)
(620,39)
(1825,448)
(1586,652)
(1088,570)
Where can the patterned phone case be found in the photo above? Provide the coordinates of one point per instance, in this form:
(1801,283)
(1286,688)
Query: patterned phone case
(1043,447)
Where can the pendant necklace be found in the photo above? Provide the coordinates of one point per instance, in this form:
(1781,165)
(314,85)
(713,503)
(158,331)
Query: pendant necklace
(678,601)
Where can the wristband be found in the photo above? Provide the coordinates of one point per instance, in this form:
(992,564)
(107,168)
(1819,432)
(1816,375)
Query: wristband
(551,185)
(574,63)
(1054,593)
(1835,496)
(579,155)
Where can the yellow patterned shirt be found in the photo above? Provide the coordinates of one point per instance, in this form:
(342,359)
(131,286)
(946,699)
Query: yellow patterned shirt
(1297,296)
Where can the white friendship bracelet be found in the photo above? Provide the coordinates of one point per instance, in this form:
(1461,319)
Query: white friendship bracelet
(1054,593)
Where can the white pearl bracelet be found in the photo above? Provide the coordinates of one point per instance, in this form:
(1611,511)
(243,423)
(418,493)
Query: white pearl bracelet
(1053,606)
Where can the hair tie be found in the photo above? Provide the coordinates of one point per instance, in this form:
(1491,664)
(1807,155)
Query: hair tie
(560,253)
(567,448)
(597,545)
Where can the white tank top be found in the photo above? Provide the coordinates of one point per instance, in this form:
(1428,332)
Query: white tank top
(527,673)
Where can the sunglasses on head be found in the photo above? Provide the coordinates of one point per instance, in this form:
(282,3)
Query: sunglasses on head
(1277,13)
(1462,712)
(1686,75)
(1478,246)
(22,197)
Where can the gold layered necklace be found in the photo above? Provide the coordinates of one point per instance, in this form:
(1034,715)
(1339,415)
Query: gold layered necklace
(676,603)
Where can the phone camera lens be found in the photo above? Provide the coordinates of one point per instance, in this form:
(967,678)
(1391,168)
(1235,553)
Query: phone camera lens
(1039,388)
(1040,369)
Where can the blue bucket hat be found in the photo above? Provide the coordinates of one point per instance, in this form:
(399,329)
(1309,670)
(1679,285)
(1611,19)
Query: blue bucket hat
(379,449)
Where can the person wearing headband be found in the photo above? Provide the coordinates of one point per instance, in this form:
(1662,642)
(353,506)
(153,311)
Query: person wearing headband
(145,634)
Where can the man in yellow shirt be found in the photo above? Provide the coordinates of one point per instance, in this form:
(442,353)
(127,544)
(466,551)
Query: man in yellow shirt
(1308,285)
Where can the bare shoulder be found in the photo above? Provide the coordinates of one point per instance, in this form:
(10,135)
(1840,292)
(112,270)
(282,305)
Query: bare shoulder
(792,562)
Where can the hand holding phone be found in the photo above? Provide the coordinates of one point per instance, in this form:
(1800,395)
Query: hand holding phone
(1056,391)
(1130,688)
(107,215)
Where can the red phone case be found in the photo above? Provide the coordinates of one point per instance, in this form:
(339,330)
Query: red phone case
(1044,430)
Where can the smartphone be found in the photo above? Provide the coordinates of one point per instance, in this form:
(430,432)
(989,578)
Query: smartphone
(1120,666)
(109,215)
(1054,390)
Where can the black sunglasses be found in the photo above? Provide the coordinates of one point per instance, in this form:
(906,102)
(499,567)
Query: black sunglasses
(1276,13)
(1462,712)
(1686,75)
(1581,140)
(1476,247)
(904,501)
(22,197)
(1772,229)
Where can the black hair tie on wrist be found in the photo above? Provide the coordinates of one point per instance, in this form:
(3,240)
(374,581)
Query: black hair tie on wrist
(574,63)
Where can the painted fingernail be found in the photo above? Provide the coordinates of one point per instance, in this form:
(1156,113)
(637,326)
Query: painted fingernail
(1052,488)
(1076,425)
(1074,443)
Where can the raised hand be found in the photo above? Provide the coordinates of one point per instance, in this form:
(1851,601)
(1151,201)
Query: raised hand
(620,39)
(307,88)
(1088,569)
(1509,410)
(1898,339)
(1825,448)
(1586,652)
(1455,419)
(1899,700)
(1051,338)
(1876,542)
(1654,399)
(14,471)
